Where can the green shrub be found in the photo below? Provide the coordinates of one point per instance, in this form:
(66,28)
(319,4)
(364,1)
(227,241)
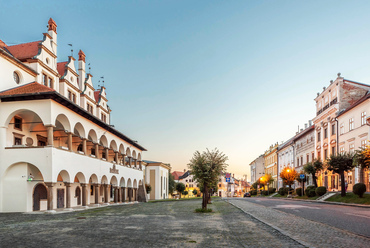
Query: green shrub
(272,190)
(310,191)
(359,189)
(253,192)
(281,191)
(320,191)
(201,210)
(265,192)
(298,191)
(286,190)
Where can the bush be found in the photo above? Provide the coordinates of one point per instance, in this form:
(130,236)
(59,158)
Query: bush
(253,192)
(320,191)
(201,210)
(281,191)
(359,189)
(265,192)
(310,191)
(298,191)
(272,190)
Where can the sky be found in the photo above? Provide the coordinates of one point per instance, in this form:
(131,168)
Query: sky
(183,76)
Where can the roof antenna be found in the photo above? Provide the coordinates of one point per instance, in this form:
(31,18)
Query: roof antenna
(71,49)
(102,80)
(89,68)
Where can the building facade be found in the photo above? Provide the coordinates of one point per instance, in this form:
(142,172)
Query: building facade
(190,184)
(270,157)
(285,154)
(156,175)
(338,96)
(57,147)
(257,167)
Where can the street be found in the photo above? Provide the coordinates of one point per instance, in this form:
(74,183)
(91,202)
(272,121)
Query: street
(312,224)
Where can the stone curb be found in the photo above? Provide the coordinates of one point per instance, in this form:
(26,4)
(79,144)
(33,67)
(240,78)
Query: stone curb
(272,226)
(326,202)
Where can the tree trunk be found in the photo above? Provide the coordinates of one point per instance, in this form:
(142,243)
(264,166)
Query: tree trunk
(362,175)
(343,185)
(205,200)
(314,179)
(209,200)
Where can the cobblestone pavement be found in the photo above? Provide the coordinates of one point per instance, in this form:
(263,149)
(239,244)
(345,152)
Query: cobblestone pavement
(307,232)
(159,224)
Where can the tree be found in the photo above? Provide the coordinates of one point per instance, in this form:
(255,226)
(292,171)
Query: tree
(180,187)
(171,184)
(340,163)
(362,159)
(206,167)
(313,168)
(148,188)
(185,193)
(288,175)
(195,192)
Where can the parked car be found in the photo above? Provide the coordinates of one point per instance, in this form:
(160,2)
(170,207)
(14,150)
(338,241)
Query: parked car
(247,194)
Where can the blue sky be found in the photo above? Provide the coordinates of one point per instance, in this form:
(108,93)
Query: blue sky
(189,75)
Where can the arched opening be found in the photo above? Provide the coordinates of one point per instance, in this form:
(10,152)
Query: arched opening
(112,152)
(128,158)
(78,195)
(103,144)
(39,193)
(61,130)
(78,136)
(92,139)
(94,189)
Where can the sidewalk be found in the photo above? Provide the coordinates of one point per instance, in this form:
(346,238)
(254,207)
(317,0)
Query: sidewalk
(308,233)
(324,202)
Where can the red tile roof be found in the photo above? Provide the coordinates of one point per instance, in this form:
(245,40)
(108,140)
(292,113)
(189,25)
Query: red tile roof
(25,50)
(61,67)
(27,88)
(2,44)
(177,174)
(97,95)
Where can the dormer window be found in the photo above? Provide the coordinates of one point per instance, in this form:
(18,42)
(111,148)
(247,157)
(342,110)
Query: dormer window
(72,96)
(47,81)
(103,117)
(90,108)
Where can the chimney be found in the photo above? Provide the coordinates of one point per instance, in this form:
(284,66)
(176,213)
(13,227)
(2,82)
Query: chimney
(301,130)
(305,125)
(52,31)
(309,123)
(81,69)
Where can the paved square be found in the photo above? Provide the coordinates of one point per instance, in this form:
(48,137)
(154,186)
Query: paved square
(158,224)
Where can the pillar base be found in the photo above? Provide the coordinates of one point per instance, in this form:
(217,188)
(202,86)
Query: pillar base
(50,211)
(69,209)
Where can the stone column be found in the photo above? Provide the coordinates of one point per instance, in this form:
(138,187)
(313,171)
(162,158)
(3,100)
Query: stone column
(123,194)
(84,194)
(115,195)
(119,194)
(129,192)
(97,150)
(140,166)
(69,141)
(68,195)
(50,131)
(106,153)
(50,195)
(135,163)
(116,157)
(106,194)
(96,193)
(129,161)
(84,146)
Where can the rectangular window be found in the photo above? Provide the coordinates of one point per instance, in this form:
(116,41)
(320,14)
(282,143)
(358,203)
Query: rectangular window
(301,161)
(333,150)
(297,161)
(18,123)
(103,117)
(51,84)
(351,148)
(17,141)
(341,150)
(325,154)
(342,129)
(351,124)
(325,133)
(70,95)
(308,158)
(45,79)
(363,118)
(313,157)
(333,129)
(318,136)
(363,143)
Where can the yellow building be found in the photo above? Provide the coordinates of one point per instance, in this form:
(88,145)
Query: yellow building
(271,163)
(190,184)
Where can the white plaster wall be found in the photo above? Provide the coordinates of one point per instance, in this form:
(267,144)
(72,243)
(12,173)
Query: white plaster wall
(6,74)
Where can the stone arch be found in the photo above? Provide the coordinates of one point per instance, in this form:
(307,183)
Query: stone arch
(121,149)
(139,157)
(62,123)
(79,130)
(129,183)
(28,115)
(63,176)
(122,182)
(103,141)
(113,145)
(80,178)
(135,184)
(140,182)
(93,179)
(114,181)
(104,180)
(128,152)
(134,154)
(92,136)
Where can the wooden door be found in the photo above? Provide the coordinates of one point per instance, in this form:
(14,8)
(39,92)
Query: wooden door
(60,198)
(78,195)
(39,193)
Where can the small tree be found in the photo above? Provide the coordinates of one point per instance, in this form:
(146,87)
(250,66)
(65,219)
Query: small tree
(362,159)
(171,184)
(288,175)
(313,168)
(148,188)
(180,187)
(195,192)
(207,168)
(185,193)
(340,163)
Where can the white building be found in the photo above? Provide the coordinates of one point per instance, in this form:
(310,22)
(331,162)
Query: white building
(257,168)
(57,147)
(285,155)
(156,174)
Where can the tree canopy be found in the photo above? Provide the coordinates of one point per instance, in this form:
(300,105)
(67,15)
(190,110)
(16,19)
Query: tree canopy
(180,187)
(171,183)
(288,175)
(206,168)
(313,168)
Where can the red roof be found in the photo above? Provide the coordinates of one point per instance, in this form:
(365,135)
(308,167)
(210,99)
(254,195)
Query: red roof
(25,50)
(61,67)
(177,174)
(27,88)
(2,44)
(96,95)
